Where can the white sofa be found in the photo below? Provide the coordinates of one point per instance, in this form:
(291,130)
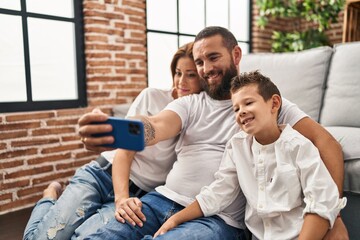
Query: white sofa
(325,83)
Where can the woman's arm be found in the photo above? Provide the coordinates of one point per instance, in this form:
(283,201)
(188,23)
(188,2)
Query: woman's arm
(126,208)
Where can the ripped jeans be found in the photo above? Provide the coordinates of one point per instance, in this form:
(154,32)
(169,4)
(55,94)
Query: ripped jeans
(86,204)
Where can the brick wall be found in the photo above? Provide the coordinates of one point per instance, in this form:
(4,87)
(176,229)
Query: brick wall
(261,41)
(39,147)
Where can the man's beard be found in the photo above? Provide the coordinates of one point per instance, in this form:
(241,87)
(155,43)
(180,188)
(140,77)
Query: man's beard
(221,91)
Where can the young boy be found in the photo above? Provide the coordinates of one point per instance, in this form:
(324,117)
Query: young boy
(289,192)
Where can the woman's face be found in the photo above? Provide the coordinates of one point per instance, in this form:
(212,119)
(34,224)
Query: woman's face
(186,79)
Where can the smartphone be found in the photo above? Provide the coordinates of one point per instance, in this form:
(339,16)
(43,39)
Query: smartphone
(128,133)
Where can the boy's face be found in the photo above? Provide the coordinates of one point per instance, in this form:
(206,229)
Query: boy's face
(253,114)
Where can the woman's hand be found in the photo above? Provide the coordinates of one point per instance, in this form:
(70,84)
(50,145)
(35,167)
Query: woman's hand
(129,209)
(167,226)
(87,129)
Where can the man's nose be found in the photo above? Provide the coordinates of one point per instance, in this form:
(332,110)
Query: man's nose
(208,67)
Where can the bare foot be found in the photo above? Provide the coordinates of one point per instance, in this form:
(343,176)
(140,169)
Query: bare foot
(53,190)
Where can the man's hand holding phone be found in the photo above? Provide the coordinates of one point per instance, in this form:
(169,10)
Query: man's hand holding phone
(127,133)
(101,133)
(88,131)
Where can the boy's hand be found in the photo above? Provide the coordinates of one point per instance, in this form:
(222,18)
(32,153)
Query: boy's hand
(86,130)
(167,226)
(129,210)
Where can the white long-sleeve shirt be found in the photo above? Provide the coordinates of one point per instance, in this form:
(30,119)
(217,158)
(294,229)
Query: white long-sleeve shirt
(281,182)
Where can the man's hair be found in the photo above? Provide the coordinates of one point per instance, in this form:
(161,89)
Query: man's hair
(228,39)
(266,87)
(184,51)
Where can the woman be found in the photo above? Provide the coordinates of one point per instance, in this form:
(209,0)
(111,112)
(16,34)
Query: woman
(87,203)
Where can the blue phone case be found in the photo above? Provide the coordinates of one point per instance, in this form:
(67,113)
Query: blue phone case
(128,133)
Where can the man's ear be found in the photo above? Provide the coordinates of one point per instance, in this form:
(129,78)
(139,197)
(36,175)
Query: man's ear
(276,103)
(237,54)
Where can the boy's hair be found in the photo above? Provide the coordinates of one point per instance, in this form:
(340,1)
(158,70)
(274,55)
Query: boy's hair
(266,87)
(228,39)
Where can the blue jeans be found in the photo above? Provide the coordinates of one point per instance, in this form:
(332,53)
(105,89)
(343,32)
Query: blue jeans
(86,204)
(157,210)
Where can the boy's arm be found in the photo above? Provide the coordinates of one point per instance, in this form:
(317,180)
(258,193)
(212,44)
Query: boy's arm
(314,227)
(126,208)
(191,212)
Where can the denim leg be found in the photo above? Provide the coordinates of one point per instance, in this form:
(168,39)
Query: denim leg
(156,208)
(207,228)
(97,220)
(37,214)
(90,187)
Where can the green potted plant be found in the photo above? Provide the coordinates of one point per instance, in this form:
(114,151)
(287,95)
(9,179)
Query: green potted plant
(319,12)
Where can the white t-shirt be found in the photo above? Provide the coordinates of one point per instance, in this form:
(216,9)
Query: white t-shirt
(281,182)
(207,125)
(150,166)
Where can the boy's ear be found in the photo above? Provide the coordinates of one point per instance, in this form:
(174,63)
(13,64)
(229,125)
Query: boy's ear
(276,102)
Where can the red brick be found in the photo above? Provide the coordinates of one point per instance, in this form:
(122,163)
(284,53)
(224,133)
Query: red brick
(70,138)
(32,116)
(62,122)
(17,153)
(71,165)
(89,21)
(17,126)
(3,146)
(107,78)
(34,142)
(29,172)
(54,176)
(99,71)
(93,5)
(11,164)
(5,196)
(15,184)
(86,154)
(98,55)
(49,158)
(13,134)
(51,131)
(30,190)
(62,148)
(20,203)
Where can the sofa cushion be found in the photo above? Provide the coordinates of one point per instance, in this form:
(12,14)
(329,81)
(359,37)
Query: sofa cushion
(299,76)
(342,97)
(352,176)
(121,110)
(349,139)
